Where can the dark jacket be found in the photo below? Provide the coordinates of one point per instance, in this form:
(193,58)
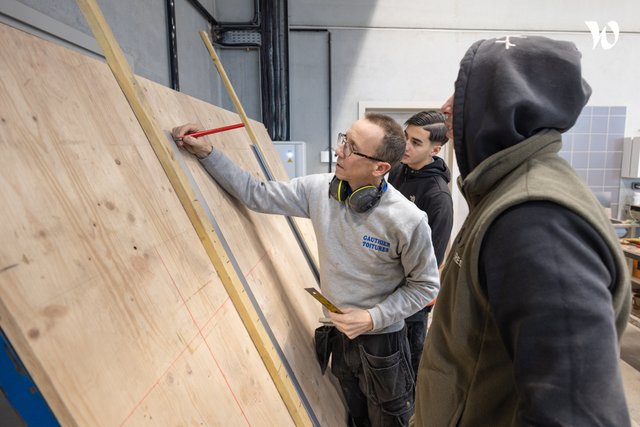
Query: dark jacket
(535,292)
(428,189)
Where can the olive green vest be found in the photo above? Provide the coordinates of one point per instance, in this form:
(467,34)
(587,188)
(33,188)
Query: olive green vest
(466,376)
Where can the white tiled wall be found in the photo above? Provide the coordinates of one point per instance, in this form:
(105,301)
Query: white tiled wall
(593,146)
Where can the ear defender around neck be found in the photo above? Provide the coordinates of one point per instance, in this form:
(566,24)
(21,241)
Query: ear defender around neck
(359,200)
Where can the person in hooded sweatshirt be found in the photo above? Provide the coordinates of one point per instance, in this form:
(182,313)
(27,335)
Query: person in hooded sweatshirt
(423,178)
(535,290)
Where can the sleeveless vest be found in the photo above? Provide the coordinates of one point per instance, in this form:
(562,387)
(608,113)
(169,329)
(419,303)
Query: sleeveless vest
(464,377)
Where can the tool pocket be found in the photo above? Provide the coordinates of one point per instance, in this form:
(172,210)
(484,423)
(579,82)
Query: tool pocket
(389,381)
(323,338)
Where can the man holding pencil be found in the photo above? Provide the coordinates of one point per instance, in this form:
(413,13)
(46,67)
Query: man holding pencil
(377,263)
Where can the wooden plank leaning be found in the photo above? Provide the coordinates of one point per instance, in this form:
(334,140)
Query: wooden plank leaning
(194,210)
(304,245)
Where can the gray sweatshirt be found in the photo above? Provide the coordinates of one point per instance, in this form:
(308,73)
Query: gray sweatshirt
(381,260)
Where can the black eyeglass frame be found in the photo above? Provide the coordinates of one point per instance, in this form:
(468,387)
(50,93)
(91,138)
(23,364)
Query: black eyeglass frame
(342,140)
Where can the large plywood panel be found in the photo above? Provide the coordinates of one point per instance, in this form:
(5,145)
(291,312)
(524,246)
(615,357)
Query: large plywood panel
(264,246)
(105,290)
(272,158)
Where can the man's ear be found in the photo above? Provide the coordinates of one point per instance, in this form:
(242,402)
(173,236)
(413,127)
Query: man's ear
(381,168)
(435,149)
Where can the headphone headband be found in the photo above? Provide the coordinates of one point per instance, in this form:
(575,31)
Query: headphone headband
(359,200)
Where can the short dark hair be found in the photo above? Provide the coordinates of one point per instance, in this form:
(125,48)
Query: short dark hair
(432,121)
(393,143)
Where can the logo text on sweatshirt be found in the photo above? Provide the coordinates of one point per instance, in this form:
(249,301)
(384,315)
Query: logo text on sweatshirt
(374,243)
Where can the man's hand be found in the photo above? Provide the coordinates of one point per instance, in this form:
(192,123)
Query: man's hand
(199,148)
(353,322)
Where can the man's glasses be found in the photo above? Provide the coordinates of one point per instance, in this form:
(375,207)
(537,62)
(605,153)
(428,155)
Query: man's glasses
(348,149)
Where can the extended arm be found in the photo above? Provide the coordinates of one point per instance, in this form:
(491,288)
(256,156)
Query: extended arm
(275,197)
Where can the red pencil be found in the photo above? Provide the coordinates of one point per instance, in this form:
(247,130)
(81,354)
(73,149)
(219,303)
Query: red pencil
(215,130)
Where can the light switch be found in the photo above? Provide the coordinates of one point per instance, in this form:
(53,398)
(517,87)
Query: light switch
(324,156)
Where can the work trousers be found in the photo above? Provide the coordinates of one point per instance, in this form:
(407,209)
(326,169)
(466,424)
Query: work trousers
(375,375)
(416,333)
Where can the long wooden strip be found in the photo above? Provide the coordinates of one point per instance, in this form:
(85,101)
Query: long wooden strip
(311,256)
(227,84)
(195,212)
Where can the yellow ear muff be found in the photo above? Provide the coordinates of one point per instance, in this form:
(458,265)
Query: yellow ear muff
(361,199)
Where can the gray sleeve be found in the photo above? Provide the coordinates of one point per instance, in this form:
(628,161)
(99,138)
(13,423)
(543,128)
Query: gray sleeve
(421,285)
(274,197)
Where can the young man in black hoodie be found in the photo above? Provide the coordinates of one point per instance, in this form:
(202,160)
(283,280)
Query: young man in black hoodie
(423,178)
(535,291)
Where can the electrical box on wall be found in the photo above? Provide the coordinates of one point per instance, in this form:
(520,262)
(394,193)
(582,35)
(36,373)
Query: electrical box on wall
(631,158)
(293,155)
(325,157)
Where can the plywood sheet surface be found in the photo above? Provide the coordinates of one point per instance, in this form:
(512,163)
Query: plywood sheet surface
(263,246)
(105,290)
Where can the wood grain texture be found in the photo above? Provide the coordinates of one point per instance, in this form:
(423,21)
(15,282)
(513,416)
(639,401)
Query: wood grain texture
(263,245)
(276,166)
(105,289)
(195,211)
(266,149)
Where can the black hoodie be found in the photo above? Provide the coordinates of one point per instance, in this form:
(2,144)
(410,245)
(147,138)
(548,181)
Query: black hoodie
(510,89)
(539,256)
(428,189)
